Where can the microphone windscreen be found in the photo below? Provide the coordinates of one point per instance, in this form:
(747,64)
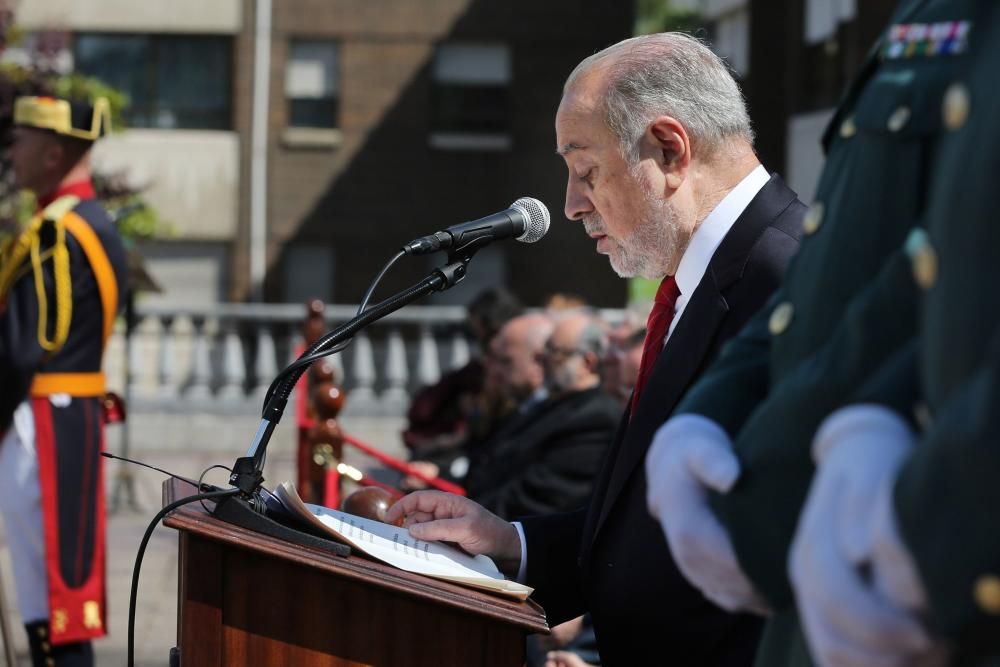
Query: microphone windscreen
(536,218)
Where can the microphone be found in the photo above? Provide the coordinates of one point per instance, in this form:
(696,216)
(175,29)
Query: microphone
(527,220)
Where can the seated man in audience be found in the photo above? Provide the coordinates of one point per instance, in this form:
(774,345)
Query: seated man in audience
(513,373)
(545,459)
(456,407)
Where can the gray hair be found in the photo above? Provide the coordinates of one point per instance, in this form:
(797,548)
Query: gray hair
(593,338)
(539,330)
(671,74)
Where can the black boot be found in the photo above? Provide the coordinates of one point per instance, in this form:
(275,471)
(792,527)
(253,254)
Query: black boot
(44,654)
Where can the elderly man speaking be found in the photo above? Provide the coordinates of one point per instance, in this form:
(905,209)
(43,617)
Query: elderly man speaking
(663,176)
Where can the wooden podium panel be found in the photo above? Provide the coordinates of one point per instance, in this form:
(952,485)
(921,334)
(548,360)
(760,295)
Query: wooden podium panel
(250,599)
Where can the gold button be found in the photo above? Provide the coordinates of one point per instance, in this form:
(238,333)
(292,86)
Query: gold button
(899,118)
(45,647)
(923,258)
(955,107)
(41,631)
(813,219)
(49,662)
(987,594)
(848,128)
(781,317)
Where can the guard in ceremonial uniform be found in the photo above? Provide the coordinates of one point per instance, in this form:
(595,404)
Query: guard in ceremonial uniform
(847,304)
(61,283)
(920,448)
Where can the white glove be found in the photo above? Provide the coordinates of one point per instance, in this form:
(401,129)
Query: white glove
(847,620)
(690,455)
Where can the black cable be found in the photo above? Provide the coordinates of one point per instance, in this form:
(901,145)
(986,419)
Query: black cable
(289,376)
(310,355)
(378,279)
(202,476)
(277,378)
(142,550)
(198,485)
(247,470)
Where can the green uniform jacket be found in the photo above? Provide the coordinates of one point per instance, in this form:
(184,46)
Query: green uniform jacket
(948,495)
(947,492)
(848,301)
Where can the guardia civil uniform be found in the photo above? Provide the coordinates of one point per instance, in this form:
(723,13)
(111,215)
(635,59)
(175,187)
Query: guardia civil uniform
(947,385)
(847,302)
(61,282)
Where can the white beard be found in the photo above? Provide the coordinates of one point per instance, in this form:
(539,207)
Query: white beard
(652,244)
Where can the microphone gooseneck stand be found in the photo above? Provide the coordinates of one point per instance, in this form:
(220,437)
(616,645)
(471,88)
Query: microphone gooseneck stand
(244,503)
(247,507)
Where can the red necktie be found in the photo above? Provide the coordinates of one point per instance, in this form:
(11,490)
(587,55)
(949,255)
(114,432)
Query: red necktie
(656,331)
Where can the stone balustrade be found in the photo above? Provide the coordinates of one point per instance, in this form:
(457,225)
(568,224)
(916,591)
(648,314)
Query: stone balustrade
(196,377)
(222,359)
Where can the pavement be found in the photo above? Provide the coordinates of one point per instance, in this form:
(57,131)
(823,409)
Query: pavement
(156,607)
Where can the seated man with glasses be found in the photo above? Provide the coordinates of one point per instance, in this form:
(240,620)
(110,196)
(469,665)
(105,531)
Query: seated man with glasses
(545,458)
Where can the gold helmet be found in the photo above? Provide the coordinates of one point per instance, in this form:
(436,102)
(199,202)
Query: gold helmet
(83,121)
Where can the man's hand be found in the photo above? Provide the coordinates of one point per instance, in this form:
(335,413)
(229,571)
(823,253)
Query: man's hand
(564,659)
(425,468)
(562,634)
(689,456)
(848,620)
(435,515)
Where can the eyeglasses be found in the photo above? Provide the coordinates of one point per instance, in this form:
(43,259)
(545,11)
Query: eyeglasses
(560,353)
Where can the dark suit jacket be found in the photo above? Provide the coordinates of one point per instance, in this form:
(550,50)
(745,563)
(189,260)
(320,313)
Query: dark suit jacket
(612,558)
(546,460)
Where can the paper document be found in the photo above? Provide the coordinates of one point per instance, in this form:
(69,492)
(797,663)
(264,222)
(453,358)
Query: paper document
(398,548)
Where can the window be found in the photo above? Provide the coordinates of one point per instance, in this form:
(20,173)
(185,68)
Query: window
(308,270)
(173,81)
(731,32)
(471,97)
(823,18)
(312,84)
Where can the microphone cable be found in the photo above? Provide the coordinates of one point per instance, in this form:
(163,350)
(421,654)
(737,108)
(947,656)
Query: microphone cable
(211,495)
(202,486)
(381,274)
(315,351)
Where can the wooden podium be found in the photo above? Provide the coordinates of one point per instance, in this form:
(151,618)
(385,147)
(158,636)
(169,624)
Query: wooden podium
(249,599)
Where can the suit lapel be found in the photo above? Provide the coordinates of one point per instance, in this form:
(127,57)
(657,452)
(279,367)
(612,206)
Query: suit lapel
(676,367)
(602,482)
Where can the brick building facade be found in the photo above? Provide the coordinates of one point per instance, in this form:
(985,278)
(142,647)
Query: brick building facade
(386,120)
(400,166)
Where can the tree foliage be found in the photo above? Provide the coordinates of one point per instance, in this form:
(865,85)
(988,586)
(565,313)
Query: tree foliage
(662,15)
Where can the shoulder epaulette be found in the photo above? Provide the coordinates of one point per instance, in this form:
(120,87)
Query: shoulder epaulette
(28,246)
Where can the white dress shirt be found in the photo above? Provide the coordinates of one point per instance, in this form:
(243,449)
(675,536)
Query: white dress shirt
(709,235)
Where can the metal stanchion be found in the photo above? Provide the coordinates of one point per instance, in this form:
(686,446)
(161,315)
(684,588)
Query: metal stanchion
(124,489)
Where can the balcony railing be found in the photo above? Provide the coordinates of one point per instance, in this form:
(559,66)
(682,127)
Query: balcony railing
(222,358)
